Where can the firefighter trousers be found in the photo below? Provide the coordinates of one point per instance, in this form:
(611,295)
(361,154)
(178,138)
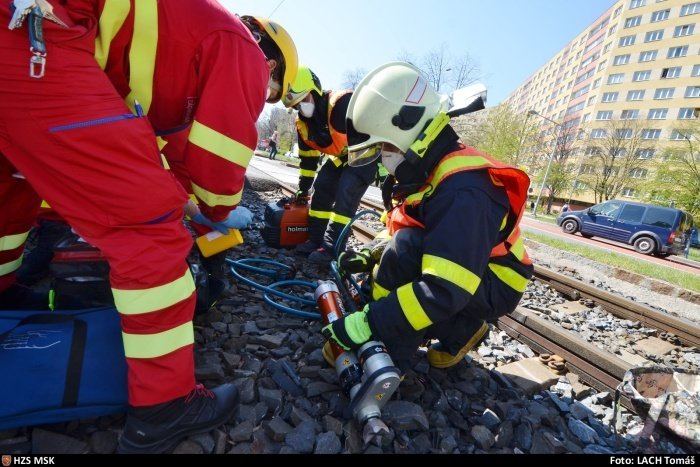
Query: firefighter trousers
(338,191)
(401,264)
(69,138)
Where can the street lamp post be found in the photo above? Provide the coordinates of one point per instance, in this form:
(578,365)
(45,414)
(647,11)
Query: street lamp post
(549,164)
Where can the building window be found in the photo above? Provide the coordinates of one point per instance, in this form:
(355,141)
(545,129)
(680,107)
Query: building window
(660,15)
(581,92)
(692,91)
(607,47)
(598,133)
(626,41)
(602,65)
(653,36)
(635,95)
(624,133)
(644,75)
(638,173)
(596,83)
(690,9)
(696,70)
(651,133)
(648,56)
(684,30)
(604,115)
(629,192)
(664,93)
(591,100)
(688,113)
(616,78)
(633,21)
(617,12)
(677,135)
(672,72)
(646,154)
(586,118)
(631,114)
(612,30)
(621,60)
(657,114)
(677,52)
(610,97)
(637,3)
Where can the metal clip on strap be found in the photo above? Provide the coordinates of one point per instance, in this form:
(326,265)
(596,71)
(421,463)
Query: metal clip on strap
(35,26)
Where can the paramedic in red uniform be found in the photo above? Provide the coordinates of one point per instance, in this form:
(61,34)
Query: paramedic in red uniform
(69,138)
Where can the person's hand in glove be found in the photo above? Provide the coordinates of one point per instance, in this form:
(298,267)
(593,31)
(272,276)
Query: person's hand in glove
(301,196)
(239,218)
(349,332)
(356,261)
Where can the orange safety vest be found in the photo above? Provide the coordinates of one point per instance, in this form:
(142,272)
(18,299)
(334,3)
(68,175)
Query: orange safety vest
(338,146)
(515,182)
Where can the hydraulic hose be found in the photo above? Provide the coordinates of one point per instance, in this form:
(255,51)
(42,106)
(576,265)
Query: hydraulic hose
(282,275)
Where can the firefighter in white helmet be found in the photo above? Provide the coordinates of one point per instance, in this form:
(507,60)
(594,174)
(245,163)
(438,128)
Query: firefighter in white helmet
(456,259)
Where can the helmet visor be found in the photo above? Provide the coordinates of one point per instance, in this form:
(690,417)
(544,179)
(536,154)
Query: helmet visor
(365,155)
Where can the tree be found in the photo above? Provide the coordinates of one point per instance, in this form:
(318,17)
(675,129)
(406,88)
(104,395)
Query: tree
(614,163)
(351,78)
(558,144)
(279,120)
(678,173)
(443,71)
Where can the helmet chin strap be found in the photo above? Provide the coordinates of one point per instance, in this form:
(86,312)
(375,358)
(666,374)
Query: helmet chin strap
(432,130)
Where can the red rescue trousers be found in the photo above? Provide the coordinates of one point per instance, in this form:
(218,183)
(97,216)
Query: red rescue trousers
(76,144)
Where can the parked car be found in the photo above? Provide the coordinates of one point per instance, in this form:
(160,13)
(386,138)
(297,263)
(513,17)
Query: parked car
(650,229)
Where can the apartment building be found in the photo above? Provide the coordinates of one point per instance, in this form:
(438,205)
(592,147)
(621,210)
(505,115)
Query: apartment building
(640,60)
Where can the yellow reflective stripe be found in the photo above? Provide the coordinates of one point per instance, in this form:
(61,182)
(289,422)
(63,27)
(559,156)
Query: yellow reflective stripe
(454,163)
(320,214)
(142,55)
(309,153)
(10,242)
(518,248)
(337,162)
(136,302)
(113,16)
(514,280)
(44,204)
(307,173)
(452,272)
(219,144)
(212,199)
(12,266)
(412,308)
(378,291)
(345,220)
(503,223)
(159,344)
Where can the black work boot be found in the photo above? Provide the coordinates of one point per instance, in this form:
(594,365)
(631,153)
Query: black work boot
(158,428)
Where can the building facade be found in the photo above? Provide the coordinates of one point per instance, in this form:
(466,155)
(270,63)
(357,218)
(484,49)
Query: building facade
(634,72)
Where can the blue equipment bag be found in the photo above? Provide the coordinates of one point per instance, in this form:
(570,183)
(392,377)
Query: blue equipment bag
(60,366)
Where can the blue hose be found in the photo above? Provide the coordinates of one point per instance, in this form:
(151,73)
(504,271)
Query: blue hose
(282,275)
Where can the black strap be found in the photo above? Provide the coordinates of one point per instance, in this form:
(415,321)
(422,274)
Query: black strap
(74,368)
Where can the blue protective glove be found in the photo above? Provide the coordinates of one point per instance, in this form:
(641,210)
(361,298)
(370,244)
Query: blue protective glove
(239,218)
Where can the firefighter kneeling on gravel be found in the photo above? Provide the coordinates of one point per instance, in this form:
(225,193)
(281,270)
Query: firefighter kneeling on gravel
(456,258)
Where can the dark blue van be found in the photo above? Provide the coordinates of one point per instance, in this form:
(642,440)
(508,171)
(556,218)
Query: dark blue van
(650,229)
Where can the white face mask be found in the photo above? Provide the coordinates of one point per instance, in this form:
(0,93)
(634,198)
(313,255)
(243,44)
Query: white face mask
(307,109)
(391,160)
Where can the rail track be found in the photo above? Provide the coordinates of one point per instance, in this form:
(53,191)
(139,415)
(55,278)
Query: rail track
(597,368)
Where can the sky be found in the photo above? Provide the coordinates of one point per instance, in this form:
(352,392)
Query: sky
(510,39)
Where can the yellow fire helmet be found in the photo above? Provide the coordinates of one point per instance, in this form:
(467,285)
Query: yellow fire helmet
(306,82)
(284,44)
